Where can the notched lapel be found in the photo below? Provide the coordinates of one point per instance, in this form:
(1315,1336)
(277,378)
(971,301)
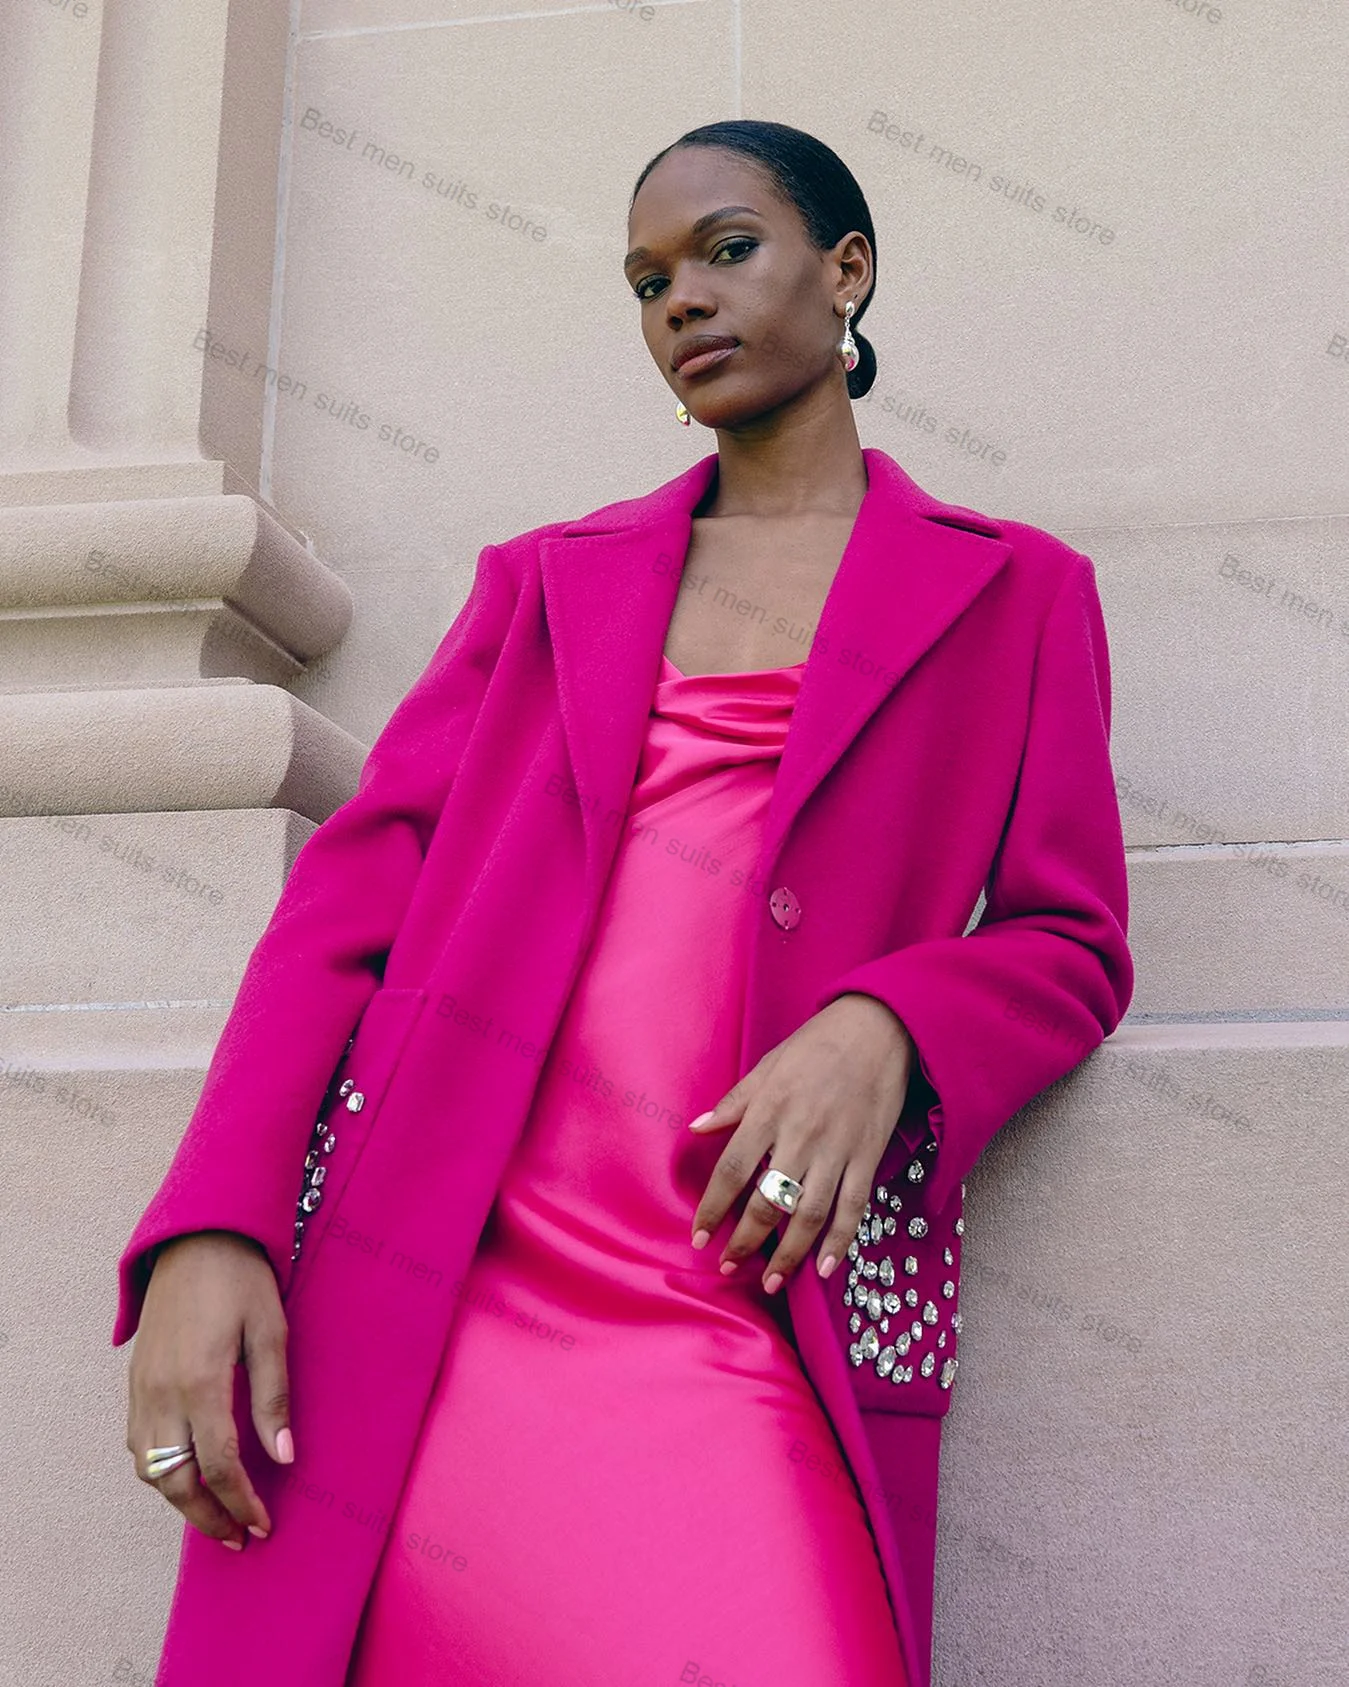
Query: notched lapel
(608,598)
(912,565)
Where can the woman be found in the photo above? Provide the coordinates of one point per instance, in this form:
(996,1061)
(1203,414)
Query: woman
(579,1384)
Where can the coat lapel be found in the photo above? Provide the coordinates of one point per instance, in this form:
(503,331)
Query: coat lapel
(911,566)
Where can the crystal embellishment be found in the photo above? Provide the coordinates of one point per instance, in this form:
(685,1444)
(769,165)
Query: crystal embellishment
(872,1288)
(321,1145)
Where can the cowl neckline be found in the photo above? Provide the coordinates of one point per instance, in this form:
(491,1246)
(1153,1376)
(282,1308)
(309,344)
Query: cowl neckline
(669,671)
(752,704)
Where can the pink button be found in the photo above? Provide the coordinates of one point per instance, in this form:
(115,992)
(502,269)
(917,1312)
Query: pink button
(785,908)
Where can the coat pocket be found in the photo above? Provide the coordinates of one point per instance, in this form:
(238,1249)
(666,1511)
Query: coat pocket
(348,1113)
(893,1299)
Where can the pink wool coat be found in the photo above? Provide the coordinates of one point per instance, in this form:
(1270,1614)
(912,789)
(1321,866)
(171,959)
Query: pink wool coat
(950,738)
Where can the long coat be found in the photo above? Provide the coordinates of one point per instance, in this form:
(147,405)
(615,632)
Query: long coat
(950,739)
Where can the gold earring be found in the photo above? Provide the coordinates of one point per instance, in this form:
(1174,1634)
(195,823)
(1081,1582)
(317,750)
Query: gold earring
(682,413)
(847,346)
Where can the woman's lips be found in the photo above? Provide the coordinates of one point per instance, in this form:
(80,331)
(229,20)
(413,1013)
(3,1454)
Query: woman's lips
(706,360)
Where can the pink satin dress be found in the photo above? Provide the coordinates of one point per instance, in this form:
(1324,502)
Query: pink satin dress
(609,1487)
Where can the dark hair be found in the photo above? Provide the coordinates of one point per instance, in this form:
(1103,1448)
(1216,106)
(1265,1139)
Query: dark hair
(817,181)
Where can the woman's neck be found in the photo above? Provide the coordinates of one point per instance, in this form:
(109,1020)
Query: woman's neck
(786,468)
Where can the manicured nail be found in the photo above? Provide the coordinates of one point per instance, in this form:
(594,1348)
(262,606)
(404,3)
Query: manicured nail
(234,1546)
(701,1238)
(258,1530)
(700,1120)
(827,1264)
(728,1265)
(285,1446)
(773,1283)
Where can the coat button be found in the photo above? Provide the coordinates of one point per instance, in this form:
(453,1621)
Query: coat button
(784,907)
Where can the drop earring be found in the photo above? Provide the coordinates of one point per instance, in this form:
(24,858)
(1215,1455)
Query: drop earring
(847,346)
(682,413)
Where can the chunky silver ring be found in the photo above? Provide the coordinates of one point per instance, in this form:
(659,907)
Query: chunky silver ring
(779,1189)
(159,1461)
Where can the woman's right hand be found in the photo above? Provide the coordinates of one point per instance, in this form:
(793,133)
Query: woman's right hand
(212,1299)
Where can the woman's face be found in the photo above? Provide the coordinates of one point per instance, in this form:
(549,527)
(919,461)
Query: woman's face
(747,284)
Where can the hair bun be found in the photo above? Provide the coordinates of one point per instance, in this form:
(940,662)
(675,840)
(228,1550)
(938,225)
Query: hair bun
(860,379)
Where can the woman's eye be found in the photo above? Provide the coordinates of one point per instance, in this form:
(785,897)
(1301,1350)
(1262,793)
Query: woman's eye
(741,240)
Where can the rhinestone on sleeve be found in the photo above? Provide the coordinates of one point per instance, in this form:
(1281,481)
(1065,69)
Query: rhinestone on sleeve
(321,1144)
(871,1294)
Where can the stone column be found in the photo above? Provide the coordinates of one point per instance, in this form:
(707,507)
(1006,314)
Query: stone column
(157,777)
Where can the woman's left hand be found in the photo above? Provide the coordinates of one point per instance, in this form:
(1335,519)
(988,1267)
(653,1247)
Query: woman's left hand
(824,1104)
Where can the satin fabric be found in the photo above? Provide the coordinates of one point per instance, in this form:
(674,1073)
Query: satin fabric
(610,1484)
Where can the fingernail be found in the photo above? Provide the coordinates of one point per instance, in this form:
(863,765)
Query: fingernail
(773,1283)
(700,1120)
(285,1446)
(258,1530)
(827,1264)
(234,1546)
(728,1265)
(701,1238)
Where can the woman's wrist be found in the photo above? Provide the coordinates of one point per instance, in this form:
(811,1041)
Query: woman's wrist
(883,1014)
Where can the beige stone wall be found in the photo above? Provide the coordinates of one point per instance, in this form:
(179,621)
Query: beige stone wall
(299,306)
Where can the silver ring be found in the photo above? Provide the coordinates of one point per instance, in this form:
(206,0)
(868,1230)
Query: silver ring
(780,1190)
(159,1461)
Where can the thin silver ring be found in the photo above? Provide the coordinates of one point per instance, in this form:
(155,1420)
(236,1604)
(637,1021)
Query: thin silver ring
(160,1461)
(780,1191)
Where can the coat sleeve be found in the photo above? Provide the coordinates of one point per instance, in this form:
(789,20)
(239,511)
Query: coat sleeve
(238,1165)
(999,1014)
